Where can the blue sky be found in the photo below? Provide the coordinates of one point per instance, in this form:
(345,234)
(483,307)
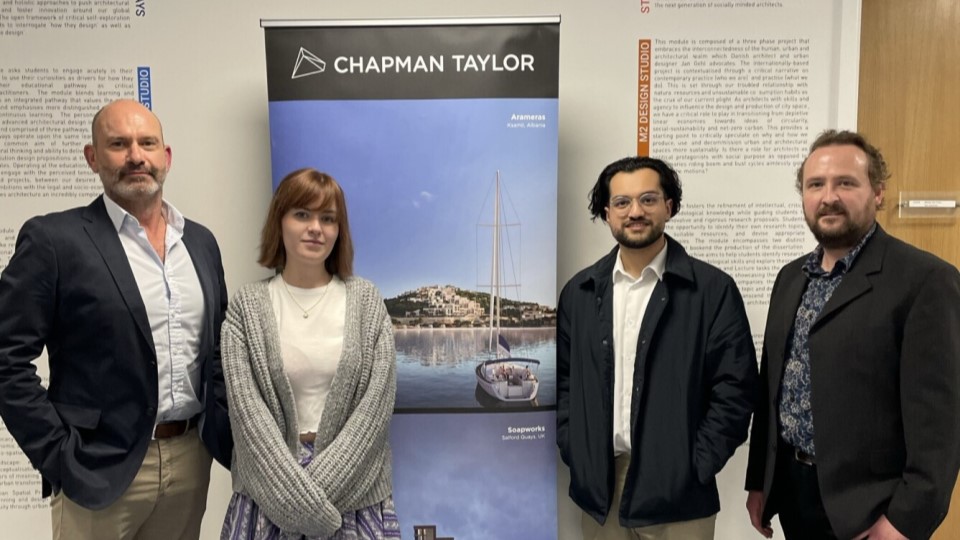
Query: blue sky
(456,472)
(418,176)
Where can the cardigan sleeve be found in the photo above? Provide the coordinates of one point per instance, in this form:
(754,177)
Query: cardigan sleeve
(269,472)
(348,466)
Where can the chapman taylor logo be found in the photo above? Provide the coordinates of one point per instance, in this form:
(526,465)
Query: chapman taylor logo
(308,63)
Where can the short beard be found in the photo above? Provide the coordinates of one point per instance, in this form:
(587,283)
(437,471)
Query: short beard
(845,237)
(653,236)
(140,190)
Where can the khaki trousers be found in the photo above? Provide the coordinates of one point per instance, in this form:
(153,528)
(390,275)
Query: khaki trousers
(697,529)
(166,500)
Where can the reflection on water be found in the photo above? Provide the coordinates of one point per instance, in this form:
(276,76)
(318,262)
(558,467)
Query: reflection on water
(435,367)
(454,346)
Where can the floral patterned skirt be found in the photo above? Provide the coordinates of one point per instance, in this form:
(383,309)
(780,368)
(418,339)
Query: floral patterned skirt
(245,521)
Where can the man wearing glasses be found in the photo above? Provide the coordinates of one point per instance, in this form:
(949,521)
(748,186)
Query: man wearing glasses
(656,369)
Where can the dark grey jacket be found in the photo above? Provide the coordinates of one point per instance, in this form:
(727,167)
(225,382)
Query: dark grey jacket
(885,389)
(694,386)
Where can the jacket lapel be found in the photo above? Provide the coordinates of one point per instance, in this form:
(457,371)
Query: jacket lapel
(789,297)
(205,272)
(856,282)
(105,239)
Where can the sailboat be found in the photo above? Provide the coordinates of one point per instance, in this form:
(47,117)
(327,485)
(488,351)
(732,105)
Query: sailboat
(504,377)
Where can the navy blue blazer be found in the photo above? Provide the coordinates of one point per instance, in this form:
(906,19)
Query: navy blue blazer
(69,288)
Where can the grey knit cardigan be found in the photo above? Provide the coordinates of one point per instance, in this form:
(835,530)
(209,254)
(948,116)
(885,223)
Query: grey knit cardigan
(351,467)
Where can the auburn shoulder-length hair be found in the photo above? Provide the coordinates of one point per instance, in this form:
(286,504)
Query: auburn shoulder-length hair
(313,190)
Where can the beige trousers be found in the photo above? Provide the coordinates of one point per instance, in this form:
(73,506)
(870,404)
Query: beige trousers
(697,529)
(166,500)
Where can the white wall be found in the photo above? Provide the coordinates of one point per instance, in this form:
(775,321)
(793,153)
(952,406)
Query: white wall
(209,89)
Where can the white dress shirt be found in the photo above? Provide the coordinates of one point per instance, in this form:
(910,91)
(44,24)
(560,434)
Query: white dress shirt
(173,298)
(630,299)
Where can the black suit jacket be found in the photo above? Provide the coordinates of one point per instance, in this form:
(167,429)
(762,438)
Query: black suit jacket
(69,287)
(885,383)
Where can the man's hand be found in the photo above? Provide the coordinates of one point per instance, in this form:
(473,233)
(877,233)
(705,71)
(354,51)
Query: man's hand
(881,530)
(755,510)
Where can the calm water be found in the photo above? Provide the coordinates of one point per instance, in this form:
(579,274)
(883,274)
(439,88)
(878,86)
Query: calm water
(436,367)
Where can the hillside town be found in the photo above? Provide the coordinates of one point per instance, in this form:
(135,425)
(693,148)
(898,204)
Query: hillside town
(446,306)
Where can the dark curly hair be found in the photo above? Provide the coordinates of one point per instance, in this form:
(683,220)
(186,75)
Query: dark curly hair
(599,195)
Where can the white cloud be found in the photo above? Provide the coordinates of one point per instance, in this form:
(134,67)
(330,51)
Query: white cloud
(425,198)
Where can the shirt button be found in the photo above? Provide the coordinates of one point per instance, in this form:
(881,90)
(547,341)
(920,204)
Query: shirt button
(151,411)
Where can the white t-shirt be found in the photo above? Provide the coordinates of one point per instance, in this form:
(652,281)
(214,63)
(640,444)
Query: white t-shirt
(310,345)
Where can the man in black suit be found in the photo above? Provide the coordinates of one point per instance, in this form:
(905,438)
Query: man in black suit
(127,297)
(856,433)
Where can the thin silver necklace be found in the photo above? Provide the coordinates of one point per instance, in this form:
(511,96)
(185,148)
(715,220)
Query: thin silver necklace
(306,312)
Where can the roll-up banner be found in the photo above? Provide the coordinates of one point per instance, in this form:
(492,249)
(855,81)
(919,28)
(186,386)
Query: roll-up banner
(443,134)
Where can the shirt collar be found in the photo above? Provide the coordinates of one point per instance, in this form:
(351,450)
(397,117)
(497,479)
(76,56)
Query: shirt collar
(812,265)
(118,215)
(657,266)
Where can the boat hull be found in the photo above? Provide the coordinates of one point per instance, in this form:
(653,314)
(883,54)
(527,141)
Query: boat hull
(509,379)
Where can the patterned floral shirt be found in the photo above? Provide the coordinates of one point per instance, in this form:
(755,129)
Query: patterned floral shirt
(795,412)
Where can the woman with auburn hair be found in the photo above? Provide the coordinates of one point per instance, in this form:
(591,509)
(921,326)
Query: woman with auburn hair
(310,366)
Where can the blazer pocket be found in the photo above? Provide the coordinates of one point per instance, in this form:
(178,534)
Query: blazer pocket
(886,463)
(77,416)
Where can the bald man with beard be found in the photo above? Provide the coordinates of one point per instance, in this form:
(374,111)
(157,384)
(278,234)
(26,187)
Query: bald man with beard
(127,296)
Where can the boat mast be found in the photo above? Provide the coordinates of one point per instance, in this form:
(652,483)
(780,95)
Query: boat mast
(495,269)
(496,243)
